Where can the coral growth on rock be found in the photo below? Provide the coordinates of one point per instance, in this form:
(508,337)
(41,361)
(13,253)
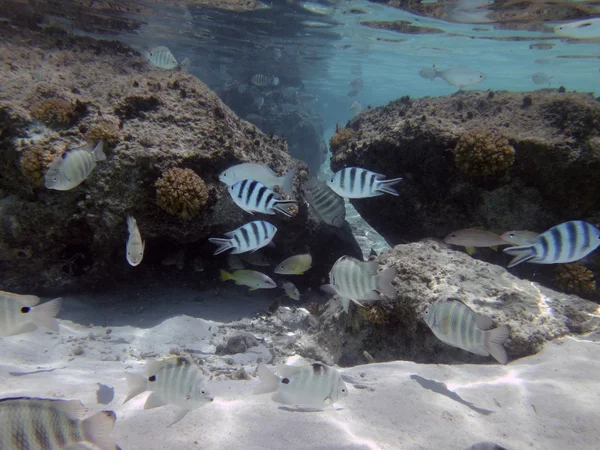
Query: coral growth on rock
(106,128)
(181,192)
(56,111)
(35,160)
(341,139)
(483,153)
(575,278)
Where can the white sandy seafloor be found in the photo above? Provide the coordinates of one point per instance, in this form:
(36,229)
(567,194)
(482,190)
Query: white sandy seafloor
(547,401)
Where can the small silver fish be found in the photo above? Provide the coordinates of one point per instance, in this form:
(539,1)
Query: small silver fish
(356,108)
(71,168)
(541,78)
(355,182)
(580,29)
(460,76)
(260,173)
(176,381)
(455,324)
(355,280)
(311,386)
(234,262)
(28,423)
(294,265)
(259,101)
(22,313)
(473,237)
(428,73)
(161,57)
(135,245)
(291,290)
(520,237)
(257,258)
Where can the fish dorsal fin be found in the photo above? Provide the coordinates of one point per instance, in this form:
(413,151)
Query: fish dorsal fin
(354,260)
(286,371)
(483,323)
(154,366)
(72,408)
(154,400)
(25,300)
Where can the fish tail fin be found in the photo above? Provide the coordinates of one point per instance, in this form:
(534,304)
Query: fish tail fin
(136,384)
(131,223)
(386,186)
(223,245)
(98,151)
(268,380)
(521,254)
(280,204)
(45,314)
(97,429)
(287,184)
(384,282)
(345,304)
(226,275)
(494,340)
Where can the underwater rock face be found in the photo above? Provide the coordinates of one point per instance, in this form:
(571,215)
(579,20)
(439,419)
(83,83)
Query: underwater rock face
(555,175)
(428,271)
(152,121)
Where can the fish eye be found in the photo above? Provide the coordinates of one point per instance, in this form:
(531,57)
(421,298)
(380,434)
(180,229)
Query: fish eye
(25,309)
(55,179)
(152,378)
(203,392)
(512,234)
(343,390)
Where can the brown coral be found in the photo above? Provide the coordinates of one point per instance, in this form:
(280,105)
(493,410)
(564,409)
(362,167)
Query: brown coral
(181,192)
(575,278)
(56,111)
(341,139)
(106,128)
(35,160)
(483,153)
(373,313)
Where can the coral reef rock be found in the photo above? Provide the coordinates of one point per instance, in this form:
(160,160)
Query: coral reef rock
(427,272)
(154,122)
(477,159)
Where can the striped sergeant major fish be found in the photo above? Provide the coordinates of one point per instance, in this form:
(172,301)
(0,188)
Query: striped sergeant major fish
(161,57)
(308,386)
(28,423)
(253,196)
(71,168)
(564,243)
(329,206)
(354,182)
(260,173)
(261,80)
(23,313)
(455,324)
(176,381)
(247,238)
(356,280)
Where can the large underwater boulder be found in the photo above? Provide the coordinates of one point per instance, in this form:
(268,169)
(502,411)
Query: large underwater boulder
(428,271)
(157,125)
(500,160)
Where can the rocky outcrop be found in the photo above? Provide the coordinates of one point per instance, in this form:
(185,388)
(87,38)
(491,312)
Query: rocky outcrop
(428,271)
(495,159)
(152,122)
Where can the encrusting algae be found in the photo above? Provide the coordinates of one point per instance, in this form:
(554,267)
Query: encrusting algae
(483,153)
(35,160)
(56,111)
(341,139)
(181,192)
(575,278)
(105,128)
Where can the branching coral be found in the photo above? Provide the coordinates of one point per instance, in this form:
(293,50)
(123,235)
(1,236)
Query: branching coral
(56,111)
(482,153)
(106,128)
(181,192)
(575,278)
(341,139)
(35,160)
